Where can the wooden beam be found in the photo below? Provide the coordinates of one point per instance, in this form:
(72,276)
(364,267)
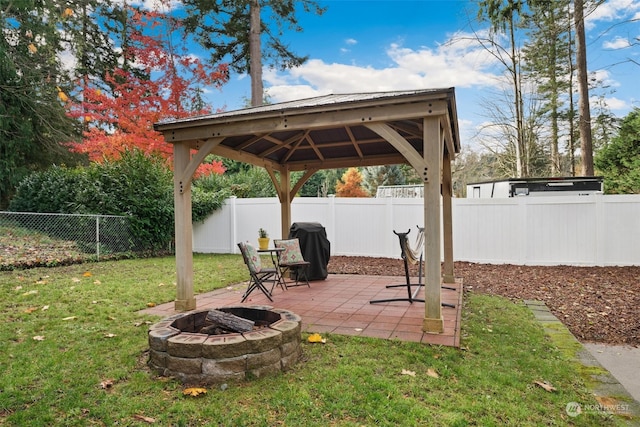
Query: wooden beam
(183,230)
(295,146)
(304,178)
(447,218)
(400,144)
(276,183)
(243,156)
(314,147)
(352,138)
(196,160)
(346,162)
(279,144)
(295,120)
(432,322)
(448,136)
(285,202)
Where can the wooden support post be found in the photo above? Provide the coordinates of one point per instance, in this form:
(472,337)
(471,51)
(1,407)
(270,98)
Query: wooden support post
(447,220)
(433,321)
(183,229)
(285,202)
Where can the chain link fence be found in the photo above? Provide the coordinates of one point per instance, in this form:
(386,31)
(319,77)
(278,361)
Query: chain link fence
(38,239)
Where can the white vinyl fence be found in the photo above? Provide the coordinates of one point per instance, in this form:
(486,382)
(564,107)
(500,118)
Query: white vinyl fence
(556,230)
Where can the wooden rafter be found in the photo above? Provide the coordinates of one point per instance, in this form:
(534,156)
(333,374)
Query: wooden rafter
(353,141)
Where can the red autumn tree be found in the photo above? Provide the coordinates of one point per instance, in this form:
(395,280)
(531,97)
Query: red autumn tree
(157,81)
(350,185)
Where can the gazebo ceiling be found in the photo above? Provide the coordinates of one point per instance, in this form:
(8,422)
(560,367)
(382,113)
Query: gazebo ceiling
(325,132)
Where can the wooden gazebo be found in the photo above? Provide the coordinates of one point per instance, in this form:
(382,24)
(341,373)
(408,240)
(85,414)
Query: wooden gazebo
(418,127)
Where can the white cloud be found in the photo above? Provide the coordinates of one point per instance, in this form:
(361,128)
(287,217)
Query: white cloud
(612,10)
(616,43)
(462,64)
(603,78)
(351,41)
(613,103)
(284,93)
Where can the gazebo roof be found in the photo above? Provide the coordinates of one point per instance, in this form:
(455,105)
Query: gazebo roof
(324,132)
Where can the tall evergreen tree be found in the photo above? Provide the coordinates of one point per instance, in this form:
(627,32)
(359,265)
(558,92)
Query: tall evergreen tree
(584,119)
(548,63)
(32,119)
(375,176)
(233,31)
(619,161)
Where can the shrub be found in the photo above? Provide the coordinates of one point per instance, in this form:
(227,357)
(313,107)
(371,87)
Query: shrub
(254,182)
(136,185)
(51,191)
(204,202)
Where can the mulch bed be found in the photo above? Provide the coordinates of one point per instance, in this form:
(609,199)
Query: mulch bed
(597,304)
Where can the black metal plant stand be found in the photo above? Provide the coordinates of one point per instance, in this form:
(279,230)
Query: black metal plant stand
(411,294)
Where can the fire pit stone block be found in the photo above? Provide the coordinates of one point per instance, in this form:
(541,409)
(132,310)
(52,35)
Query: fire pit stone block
(186,344)
(158,337)
(221,346)
(177,350)
(263,340)
(184,365)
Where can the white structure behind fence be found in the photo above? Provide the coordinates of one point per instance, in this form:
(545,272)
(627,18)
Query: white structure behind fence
(580,230)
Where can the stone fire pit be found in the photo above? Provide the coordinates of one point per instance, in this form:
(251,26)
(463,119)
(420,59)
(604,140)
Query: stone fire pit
(177,350)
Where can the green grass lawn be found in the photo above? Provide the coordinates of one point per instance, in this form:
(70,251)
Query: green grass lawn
(69,331)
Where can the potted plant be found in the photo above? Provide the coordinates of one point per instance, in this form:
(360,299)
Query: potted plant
(263,239)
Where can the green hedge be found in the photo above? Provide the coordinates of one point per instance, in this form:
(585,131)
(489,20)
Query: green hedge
(137,185)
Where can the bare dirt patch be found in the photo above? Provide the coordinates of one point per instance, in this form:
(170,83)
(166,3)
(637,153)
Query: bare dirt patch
(597,304)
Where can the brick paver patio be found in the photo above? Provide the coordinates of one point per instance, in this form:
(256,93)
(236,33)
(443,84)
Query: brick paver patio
(340,305)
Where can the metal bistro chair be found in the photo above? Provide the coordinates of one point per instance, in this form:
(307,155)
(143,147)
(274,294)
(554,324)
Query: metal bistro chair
(259,275)
(291,259)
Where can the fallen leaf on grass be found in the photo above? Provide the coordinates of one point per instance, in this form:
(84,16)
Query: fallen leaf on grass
(97,282)
(30,310)
(45,308)
(194,391)
(75,280)
(87,274)
(109,335)
(316,338)
(145,419)
(38,338)
(151,304)
(33,292)
(545,385)
(607,401)
(70,318)
(432,373)
(407,372)
(106,384)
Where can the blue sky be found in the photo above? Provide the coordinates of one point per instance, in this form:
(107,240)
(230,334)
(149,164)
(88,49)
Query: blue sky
(365,46)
